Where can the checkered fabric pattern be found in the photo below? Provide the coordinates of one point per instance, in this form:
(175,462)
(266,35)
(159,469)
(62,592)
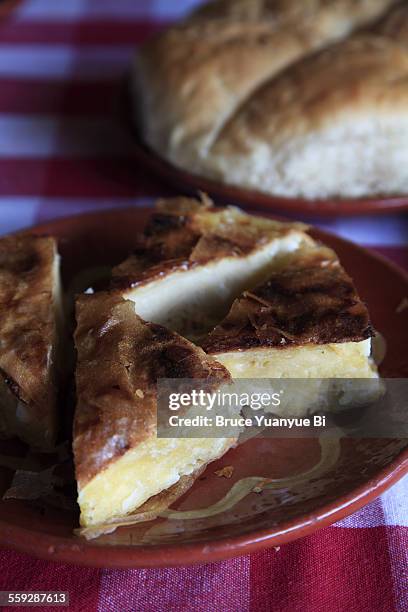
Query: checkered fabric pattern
(63,151)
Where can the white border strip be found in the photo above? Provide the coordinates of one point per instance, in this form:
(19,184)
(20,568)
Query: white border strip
(19,212)
(119,9)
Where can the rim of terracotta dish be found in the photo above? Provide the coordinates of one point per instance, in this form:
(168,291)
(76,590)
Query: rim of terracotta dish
(82,552)
(62,549)
(258,200)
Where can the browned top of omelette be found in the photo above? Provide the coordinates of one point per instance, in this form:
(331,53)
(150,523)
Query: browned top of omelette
(310,300)
(120,359)
(186,232)
(27,321)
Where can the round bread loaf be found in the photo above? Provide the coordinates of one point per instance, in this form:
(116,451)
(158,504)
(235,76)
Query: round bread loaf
(282,96)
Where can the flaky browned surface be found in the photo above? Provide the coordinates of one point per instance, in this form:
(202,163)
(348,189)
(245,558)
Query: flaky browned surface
(395,24)
(186,232)
(27,323)
(193,78)
(362,74)
(120,359)
(310,300)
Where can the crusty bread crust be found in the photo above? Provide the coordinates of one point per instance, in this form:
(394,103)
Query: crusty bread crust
(394,24)
(279,12)
(352,78)
(197,77)
(337,124)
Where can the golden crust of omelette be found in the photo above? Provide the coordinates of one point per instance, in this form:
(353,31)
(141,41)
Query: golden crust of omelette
(27,322)
(185,232)
(310,300)
(120,359)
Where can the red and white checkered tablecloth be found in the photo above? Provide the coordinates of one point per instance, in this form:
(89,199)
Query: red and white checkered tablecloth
(62,151)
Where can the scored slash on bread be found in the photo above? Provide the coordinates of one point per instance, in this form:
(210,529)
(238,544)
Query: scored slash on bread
(395,24)
(30,324)
(339,126)
(191,79)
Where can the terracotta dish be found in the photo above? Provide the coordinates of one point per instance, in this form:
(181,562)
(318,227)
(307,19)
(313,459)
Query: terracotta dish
(362,470)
